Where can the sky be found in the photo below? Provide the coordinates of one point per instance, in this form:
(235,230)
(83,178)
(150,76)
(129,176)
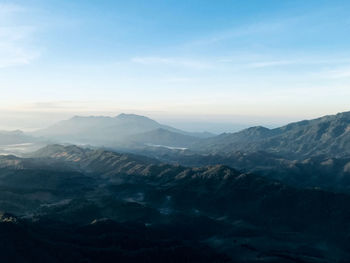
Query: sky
(195,63)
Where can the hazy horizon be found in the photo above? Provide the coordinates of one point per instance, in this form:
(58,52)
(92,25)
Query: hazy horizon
(34,120)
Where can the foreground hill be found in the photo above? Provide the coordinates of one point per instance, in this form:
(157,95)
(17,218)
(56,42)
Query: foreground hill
(329,135)
(102,241)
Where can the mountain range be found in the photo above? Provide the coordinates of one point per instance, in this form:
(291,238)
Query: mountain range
(329,136)
(134,190)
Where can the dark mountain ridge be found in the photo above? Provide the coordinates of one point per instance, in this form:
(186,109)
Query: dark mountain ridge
(225,182)
(241,217)
(331,174)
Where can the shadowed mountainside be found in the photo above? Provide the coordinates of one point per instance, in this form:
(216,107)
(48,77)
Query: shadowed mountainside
(234,216)
(319,171)
(329,135)
(214,189)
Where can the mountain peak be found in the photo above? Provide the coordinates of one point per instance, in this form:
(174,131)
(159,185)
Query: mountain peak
(77,117)
(257,131)
(139,119)
(131,116)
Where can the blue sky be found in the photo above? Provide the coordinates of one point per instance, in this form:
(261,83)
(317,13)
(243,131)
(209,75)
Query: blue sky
(240,61)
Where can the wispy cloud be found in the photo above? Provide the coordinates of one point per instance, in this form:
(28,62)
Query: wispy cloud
(14,38)
(264,64)
(173,62)
(7,9)
(178,80)
(256,61)
(338,73)
(256,29)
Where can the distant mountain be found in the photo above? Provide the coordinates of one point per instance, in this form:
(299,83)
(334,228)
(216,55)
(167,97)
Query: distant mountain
(14,137)
(124,130)
(329,136)
(163,137)
(17,142)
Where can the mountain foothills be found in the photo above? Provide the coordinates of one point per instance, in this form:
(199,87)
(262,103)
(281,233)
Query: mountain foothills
(128,189)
